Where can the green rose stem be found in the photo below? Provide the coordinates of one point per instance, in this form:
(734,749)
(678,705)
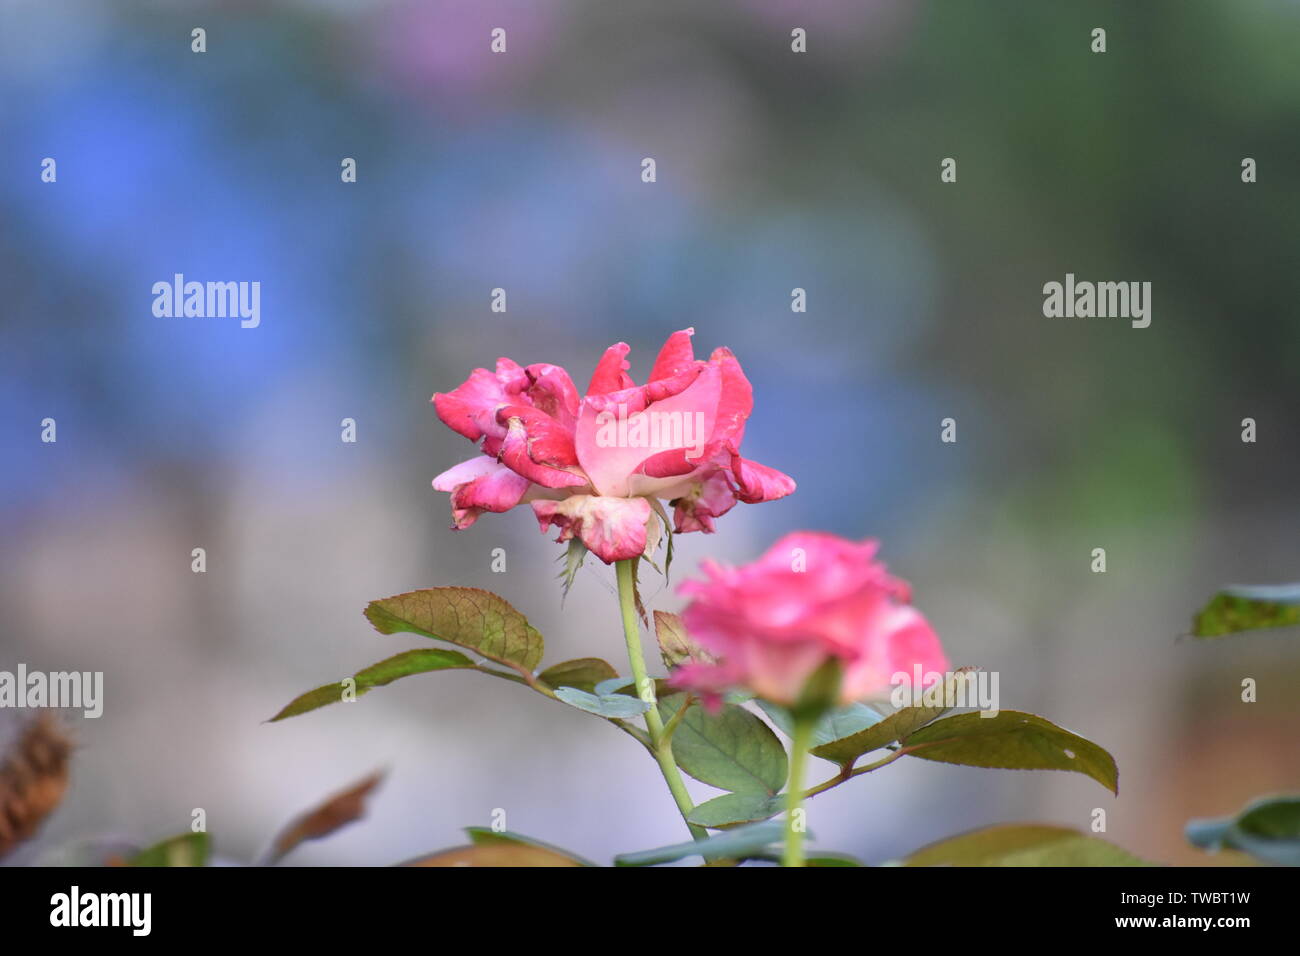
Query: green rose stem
(660,744)
(794,795)
(819,694)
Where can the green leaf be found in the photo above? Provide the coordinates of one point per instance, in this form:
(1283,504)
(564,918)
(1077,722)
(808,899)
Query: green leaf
(625,685)
(654,534)
(573,558)
(613,706)
(385,672)
(732,809)
(1248,608)
(832,859)
(669,547)
(740,843)
(836,725)
(1012,741)
(675,645)
(187,849)
(583,673)
(732,749)
(846,749)
(1023,845)
(1268,829)
(1279,593)
(844,722)
(468,617)
(897,726)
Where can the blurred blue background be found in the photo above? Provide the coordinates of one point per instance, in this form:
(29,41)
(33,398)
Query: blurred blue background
(522,171)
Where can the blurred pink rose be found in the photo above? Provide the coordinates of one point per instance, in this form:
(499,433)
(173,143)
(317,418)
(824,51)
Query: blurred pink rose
(443,49)
(595,466)
(811,597)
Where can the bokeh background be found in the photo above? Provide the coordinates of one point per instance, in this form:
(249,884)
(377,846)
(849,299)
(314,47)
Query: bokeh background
(522,171)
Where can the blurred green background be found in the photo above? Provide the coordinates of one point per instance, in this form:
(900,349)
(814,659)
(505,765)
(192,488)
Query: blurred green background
(522,171)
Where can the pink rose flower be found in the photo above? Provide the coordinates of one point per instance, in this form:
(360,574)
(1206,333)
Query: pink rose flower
(595,466)
(811,597)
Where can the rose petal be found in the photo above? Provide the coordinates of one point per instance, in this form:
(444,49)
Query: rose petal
(552,391)
(480,484)
(611,371)
(812,597)
(675,357)
(707,681)
(515,454)
(903,640)
(613,529)
(757,482)
(618,431)
(711,499)
(734,404)
(549,442)
(471,408)
(465,472)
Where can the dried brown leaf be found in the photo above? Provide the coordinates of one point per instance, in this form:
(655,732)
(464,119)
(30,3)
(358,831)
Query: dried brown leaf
(33,779)
(336,812)
(676,646)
